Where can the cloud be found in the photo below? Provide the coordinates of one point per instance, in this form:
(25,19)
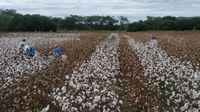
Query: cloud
(133,9)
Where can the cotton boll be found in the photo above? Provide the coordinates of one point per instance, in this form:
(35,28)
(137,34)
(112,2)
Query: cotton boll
(45,109)
(162,78)
(96,90)
(97,99)
(120,102)
(63,99)
(183,108)
(64,58)
(74,109)
(88,104)
(58,98)
(93,106)
(79,99)
(114,103)
(71,97)
(67,77)
(64,89)
(196,94)
(103,99)
(59,93)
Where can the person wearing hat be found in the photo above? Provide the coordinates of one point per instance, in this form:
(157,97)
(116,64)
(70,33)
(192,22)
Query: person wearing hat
(153,42)
(26,50)
(58,51)
(21,47)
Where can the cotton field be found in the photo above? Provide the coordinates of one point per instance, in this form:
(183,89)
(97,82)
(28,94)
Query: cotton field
(14,66)
(102,72)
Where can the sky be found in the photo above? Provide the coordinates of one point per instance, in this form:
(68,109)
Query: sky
(134,10)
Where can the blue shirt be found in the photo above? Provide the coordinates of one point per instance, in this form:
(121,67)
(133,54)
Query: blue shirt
(30,50)
(58,52)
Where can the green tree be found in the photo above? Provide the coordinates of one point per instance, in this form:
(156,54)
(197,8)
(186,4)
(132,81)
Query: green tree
(69,23)
(16,23)
(184,24)
(4,22)
(123,23)
(169,18)
(137,26)
(153,23)
(168,24)
(10,12)
(196,23)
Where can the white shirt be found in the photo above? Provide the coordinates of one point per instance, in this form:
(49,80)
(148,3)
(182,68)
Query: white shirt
(153,43)
(26,47)
(20,44)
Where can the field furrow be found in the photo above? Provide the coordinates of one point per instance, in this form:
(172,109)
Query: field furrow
(136,92)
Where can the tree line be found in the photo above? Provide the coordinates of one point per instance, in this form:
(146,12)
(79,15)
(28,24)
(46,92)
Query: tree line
(166,23)
(10,20)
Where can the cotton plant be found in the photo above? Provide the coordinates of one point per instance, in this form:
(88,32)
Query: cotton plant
(176,80)
(43,35)
(37,39)
(14,66)
(92,85)
(49,39)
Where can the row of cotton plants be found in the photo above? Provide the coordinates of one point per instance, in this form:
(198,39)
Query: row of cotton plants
(14,66)
(43,40)
(92,85)
(42,35)
(176,80)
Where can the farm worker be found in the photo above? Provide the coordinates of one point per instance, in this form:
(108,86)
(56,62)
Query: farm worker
(58,51)
(30,50)
(21,50)
(153,42)
(21,46)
